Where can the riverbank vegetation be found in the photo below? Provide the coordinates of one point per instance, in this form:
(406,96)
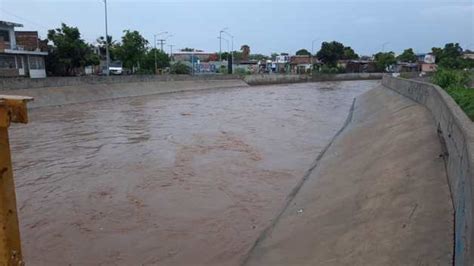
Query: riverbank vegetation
(456,83)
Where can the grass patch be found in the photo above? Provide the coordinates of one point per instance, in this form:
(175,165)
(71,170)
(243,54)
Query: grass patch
(465,98)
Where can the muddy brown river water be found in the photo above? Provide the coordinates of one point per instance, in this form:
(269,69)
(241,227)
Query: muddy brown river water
(174,179)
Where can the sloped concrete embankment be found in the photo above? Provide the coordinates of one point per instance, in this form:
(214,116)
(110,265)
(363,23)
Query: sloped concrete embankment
(456,132)
(63,91)
(378,196)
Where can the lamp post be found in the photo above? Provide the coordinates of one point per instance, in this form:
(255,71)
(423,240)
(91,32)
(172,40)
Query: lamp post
(154,44)
(220,43)
(232,49)
(312,51)
(107,57)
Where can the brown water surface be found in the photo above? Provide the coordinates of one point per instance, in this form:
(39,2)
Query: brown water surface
(174,179)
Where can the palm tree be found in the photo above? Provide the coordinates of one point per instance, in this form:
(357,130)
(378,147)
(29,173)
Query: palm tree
(245,52)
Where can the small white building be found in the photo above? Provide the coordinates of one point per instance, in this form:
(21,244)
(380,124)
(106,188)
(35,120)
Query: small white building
(20,53)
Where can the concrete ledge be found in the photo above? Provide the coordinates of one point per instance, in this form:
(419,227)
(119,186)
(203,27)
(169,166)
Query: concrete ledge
(267,79)
(27,83)
(53,96)
(347,76)
(456,131)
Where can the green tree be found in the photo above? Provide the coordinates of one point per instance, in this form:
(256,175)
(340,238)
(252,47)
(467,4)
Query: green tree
(303,52)
(330,53)
(349,53)
(102,47)
(407,56)
(132,50)
(68,51)
(180,68)
(384,60)
(162,60)
(451,57)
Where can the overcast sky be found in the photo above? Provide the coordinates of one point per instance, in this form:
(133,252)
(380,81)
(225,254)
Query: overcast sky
(266,26)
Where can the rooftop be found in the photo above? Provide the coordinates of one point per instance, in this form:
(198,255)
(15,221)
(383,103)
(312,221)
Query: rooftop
(10,24)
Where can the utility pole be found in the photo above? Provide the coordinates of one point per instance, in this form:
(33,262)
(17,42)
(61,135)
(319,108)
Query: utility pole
(162,42)
(154,44)
(106,41)
(171,50)
(383,46)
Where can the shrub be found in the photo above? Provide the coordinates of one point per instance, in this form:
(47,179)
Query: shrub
(331,70)
(465,98)
(180,68)
(450,78)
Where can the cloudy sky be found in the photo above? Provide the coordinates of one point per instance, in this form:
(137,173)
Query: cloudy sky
(265,25)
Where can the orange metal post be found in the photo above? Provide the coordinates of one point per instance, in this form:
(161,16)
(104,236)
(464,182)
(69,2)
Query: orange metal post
(12,109)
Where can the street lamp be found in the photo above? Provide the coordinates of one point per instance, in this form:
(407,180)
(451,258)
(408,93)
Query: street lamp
(312,52)
(383,46)
(154,44)
(107,58)
(232,49)
(220,43)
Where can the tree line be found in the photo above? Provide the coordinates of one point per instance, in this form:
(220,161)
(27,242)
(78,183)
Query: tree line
(68,53)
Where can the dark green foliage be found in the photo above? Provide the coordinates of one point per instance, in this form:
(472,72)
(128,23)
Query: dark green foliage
(68,51)
(303,52)
(148,62)
(451,57)
(349,54)
(465,98)
(132,50)
(450,78)
(180,68)
(407,56)
(331,70)
(331,52)
(383,60)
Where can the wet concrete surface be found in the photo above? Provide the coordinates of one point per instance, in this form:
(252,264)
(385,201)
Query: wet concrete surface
(174,179)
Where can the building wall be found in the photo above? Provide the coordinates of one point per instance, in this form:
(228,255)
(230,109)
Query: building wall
(28,40)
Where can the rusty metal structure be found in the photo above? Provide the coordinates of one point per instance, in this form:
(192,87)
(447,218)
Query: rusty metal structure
(13,109)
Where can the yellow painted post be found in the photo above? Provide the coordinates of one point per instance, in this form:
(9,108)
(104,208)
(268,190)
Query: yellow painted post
(12,109)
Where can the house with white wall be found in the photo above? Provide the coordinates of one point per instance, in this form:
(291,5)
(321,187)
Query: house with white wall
(20,52)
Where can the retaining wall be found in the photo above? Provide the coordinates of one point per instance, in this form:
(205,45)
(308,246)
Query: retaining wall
(456,132)
(266,79)
(60,95)
(27,83)
(347,76)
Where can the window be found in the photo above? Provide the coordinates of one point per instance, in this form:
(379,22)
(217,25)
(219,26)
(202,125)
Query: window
(5,35)
(36,62)
(7,61)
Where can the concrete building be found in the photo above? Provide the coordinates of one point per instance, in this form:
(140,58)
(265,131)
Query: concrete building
(427,62)
(300,64)
(21,53)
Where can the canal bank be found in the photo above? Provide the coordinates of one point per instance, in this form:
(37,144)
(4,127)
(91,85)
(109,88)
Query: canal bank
(378,196)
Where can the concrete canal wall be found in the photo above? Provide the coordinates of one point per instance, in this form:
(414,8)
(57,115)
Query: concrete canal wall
(456,132)
(60,91)
(266,79)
